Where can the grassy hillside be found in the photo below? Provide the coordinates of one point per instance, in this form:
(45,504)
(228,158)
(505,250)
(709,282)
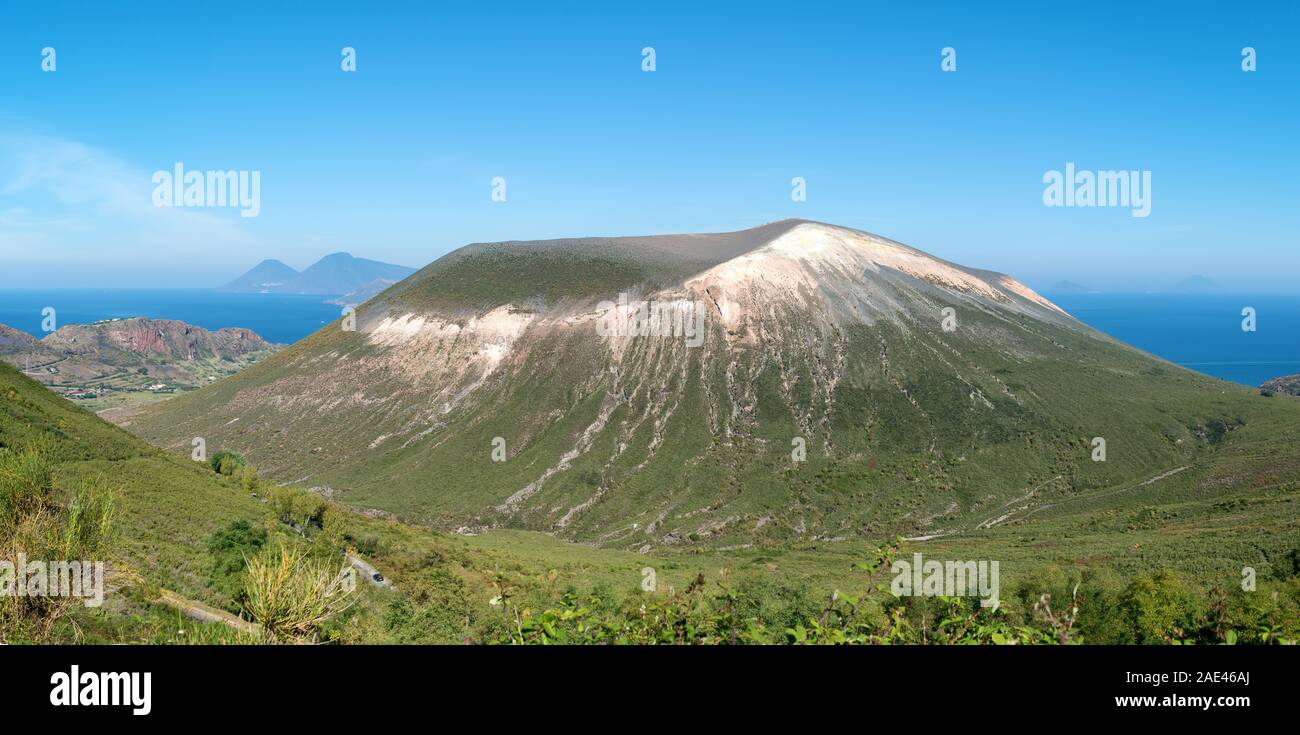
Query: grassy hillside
(168,509)
(1204,523)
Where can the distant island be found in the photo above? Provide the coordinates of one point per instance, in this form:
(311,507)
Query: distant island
(1070,287)
(1195,284)
(333,275)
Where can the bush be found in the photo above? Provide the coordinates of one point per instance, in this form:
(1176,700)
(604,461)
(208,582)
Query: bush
(247,477)
(290,595)
(1159,608)
(229,547)
(40,523)
(226,463)
(368,545)
(301,508)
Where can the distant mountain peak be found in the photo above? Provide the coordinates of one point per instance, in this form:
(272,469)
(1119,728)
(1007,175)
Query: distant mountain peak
(268,275)
(334,274)
(1195,283)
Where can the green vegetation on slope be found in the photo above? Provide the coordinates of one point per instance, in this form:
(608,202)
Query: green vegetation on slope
(1156,558)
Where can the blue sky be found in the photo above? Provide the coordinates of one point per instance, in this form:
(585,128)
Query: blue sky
(394,162)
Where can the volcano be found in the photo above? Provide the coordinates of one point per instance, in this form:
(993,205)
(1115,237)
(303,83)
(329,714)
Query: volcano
(842,385)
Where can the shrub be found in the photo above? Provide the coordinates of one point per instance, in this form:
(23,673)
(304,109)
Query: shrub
(42,524)
(229,547)
(290,595)
(297,507)
(368,545)
(308,508)
(1158,607)
(226,463)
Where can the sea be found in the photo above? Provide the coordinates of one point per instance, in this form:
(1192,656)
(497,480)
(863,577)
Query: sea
(1201,331)
(280,318)
(1198,331)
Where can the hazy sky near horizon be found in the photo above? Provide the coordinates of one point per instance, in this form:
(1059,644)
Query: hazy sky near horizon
(395,161)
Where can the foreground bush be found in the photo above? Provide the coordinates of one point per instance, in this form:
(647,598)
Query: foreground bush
(291,595)
(40,523)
